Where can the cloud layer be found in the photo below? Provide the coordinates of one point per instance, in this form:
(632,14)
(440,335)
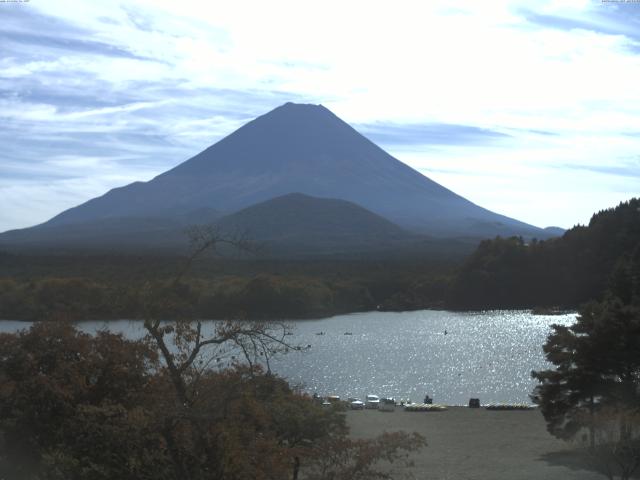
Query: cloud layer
(529,112)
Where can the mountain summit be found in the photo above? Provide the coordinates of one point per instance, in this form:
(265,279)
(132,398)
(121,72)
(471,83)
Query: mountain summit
(305,149)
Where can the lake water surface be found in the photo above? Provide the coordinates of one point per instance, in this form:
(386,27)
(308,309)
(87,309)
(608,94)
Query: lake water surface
(488,355)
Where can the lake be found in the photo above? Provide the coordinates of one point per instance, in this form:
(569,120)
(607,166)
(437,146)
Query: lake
(452,356)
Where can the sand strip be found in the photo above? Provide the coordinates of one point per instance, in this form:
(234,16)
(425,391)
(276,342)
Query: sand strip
(466,443)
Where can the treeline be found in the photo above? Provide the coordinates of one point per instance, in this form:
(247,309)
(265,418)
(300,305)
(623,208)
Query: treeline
(561,272)
(109,286)
(259,296)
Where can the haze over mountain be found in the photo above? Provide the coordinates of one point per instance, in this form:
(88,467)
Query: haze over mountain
(293,148)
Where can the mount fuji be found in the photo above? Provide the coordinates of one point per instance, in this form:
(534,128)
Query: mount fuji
(295,148)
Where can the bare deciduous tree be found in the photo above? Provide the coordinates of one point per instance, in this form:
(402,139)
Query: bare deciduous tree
(182,343)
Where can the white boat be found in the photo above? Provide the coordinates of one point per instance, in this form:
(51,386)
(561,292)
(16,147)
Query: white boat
(372,401)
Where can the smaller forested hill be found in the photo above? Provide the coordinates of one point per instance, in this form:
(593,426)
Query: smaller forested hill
(318,225)
(564,271)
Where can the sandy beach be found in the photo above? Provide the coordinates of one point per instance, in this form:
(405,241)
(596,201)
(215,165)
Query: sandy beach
(475,444)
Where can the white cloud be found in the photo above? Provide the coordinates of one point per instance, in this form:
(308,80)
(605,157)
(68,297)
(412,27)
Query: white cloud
(171,77)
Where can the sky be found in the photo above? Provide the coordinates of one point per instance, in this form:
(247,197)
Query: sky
(529,109)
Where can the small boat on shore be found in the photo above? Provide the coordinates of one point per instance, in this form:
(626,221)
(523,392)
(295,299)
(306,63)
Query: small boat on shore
(425,407)
(509,406)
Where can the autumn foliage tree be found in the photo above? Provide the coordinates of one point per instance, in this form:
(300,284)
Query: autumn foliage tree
(72,405)
(78,406)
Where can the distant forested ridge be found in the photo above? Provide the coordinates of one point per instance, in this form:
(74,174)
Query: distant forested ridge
(502,273)
(564,272)
(113,287)
(256,297)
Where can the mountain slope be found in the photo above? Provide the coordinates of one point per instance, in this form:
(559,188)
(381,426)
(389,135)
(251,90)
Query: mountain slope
(307,149)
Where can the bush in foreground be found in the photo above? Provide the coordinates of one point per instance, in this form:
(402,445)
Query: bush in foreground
(76,406)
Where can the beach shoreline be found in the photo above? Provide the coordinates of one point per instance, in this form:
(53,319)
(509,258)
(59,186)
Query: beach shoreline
(476,443)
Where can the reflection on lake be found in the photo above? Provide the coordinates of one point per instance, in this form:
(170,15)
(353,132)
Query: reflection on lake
(452,356)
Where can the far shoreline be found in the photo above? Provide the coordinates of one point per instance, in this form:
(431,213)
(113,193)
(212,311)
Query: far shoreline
(533,311)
